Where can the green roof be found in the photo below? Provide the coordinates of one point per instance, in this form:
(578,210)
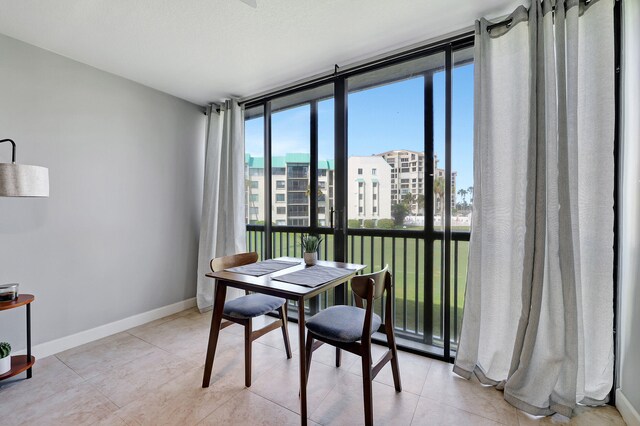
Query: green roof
(281,161)
(278,162)
(297,158)
(326,165)
(359,180)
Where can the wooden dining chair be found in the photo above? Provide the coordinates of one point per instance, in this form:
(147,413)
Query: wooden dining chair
(243,309)
(350,328)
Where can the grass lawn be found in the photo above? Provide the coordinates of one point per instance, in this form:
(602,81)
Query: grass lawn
(409,280)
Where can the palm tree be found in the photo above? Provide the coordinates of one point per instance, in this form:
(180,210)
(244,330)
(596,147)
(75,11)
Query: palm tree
(438,192)
(470,192)
(463,193)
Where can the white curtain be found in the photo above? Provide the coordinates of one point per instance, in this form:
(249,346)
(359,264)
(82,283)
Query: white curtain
(222,230)
(538,315)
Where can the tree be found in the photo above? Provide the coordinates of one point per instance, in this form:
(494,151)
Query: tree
(438,192)
(420,201)
(399,212)
(470,192)
(463,193)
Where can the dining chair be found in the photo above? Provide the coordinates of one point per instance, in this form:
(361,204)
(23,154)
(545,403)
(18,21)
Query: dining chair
(243,309)
(350,328)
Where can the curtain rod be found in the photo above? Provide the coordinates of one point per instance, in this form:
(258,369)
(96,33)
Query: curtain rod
(355,67)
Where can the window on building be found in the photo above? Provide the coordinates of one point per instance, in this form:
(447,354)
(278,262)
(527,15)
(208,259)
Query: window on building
(281,210)
(254,184)
(360,171)
(254,197)
(374,172)
(279,198)
(280,184)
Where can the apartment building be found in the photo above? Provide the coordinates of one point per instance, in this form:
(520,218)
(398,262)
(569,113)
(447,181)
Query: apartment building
(369,188)
(408,177)
(290,192)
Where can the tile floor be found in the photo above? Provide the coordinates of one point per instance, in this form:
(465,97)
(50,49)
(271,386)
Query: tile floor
(151,375)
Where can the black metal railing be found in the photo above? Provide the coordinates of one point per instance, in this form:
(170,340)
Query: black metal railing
(404,252)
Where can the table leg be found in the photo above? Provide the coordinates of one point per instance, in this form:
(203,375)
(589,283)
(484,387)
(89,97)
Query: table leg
(303,363)
(30,370)
(214,333)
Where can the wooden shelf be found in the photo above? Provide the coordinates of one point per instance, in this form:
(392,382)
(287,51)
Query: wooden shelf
(19,364)
(23,299)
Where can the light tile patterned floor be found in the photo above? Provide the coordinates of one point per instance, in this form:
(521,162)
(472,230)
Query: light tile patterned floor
(151,375)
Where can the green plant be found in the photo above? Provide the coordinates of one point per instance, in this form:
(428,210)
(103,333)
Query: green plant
(386,223)
(5,349)
(310,243)
(369,223)
(354,223)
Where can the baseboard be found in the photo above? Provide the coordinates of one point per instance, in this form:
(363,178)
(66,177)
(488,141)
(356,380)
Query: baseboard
(62,344)
(629,413)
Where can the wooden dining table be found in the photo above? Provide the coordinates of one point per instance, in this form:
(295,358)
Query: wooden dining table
(268,284)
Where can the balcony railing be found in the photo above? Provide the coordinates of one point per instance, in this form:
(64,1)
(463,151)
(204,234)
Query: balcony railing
(416,307)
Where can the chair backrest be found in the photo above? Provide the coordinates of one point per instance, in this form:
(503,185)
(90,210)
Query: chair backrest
(361,284)
(221,263)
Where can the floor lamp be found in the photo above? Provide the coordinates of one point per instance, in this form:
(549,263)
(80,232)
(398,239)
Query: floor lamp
(21,180)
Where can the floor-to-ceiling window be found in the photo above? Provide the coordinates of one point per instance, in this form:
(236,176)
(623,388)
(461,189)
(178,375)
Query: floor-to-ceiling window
(378,161)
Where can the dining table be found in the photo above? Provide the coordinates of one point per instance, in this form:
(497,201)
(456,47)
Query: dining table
(274,284)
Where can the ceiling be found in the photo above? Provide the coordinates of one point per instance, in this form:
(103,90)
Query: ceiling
(208,50)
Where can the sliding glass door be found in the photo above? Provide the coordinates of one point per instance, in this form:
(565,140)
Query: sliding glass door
(373,161)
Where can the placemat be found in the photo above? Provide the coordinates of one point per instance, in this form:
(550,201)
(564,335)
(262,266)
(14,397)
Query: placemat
(314,276)
(262,268)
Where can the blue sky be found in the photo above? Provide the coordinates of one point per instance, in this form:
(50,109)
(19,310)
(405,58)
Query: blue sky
(381,119)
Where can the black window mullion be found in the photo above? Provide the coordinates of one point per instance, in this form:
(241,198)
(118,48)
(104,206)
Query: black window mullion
(447,208)
(340,179)
(428,207)
(267,180)
(313,168)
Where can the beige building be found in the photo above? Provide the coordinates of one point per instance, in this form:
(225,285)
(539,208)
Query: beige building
(369,188)
(408,177)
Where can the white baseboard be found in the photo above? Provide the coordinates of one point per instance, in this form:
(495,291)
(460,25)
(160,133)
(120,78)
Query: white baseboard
(62,344)
(629,413)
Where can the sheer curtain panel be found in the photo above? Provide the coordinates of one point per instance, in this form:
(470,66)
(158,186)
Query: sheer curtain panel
(538,318)
(222,229)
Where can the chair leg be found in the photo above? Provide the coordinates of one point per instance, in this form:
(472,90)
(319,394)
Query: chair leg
(309,352)
(338,357)
(285,331)
(247,353)
(395,366)
(367,387)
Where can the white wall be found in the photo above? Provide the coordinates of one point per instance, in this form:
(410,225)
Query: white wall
(628,395)
(119,234)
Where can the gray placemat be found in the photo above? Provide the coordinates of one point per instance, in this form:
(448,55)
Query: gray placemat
(314,276)
(262,268)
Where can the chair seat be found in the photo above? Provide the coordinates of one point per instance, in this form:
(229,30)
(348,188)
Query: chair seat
(252,305)
(341,323)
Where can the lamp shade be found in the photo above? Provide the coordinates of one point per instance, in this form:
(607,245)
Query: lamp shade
(21,180)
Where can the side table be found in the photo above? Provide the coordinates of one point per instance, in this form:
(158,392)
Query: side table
(20,363)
